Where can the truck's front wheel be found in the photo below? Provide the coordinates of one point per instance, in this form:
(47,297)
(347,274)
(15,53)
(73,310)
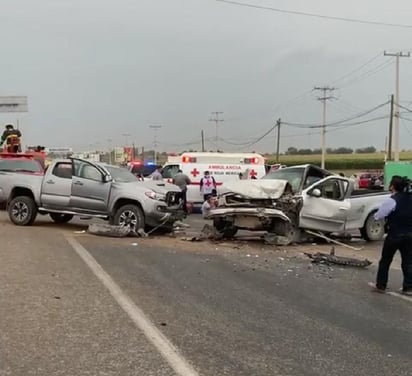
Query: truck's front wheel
(129,216)
(22,211)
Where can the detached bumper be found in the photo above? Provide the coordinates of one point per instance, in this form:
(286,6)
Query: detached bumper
(247,212)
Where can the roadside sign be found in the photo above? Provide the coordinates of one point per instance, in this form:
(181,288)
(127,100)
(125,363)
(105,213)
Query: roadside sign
(13,104)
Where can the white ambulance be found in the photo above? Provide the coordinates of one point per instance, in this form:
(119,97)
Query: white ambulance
(223,167)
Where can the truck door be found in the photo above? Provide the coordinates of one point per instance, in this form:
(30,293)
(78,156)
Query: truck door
(325,206)
(57,186)
(89,191)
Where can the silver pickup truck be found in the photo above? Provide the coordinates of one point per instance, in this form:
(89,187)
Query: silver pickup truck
(290,200)
(73,187)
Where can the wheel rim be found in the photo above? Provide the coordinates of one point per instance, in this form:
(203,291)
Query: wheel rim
(374,227)
(20,211)
(128,219)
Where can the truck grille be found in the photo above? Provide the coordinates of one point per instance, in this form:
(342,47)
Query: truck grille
(174,198)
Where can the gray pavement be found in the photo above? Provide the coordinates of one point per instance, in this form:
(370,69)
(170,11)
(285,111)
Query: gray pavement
(234,308)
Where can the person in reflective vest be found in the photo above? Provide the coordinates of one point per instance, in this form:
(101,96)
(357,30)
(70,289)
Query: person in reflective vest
(207,185)
(11,137)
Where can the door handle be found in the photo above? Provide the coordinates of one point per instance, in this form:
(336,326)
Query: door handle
(50,182)
(78,183)
(343,208)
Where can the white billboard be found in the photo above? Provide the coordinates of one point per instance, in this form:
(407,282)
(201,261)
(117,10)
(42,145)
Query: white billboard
(13,104)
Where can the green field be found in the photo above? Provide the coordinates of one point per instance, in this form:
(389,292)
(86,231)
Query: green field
(344,162)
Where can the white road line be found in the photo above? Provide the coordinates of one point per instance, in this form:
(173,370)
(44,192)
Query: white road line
(400,296)
(167,350)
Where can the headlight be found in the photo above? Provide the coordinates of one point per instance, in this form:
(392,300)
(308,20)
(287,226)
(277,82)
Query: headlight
(155,196)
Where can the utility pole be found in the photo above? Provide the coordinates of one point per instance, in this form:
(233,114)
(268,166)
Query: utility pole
(398,55)
(327,94)
(155,144)
(390,131)
(203,140)
(216,120)
(278,123)
(126,138)
(109,142)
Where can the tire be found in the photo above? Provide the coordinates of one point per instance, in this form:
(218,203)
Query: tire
(60,217)
(129,215)
(22,211)
(373,230)
(225,228)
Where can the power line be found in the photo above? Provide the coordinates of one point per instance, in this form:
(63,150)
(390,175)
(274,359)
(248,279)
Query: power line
(315,15)
(368,73)
(357,69)
(216,120)
(356,116)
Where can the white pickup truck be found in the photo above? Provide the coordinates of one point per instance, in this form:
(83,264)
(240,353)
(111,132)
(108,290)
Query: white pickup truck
(287,201)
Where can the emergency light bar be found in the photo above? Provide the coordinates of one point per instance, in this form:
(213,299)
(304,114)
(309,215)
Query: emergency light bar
(187,159)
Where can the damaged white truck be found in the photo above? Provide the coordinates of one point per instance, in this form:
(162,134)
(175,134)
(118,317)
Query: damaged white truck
(291,200)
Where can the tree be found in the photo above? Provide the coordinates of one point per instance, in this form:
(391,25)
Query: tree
(291,151)
(366,150)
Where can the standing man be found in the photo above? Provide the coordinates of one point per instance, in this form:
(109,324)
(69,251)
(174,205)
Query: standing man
(182,181)
(207,185)
(157,174)
(397,209)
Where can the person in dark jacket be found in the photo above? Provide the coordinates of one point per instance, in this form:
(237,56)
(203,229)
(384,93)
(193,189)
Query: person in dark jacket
(397,210)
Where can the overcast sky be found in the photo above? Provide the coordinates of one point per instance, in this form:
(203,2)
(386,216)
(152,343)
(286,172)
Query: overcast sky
(96,69)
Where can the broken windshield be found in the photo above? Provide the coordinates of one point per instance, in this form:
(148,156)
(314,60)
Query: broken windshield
(293,175)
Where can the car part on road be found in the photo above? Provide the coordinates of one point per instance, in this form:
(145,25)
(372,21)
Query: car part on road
(61,218)
(225,228)
(330,240)
(331,258)
(373,230)
(22,210)
(111,231)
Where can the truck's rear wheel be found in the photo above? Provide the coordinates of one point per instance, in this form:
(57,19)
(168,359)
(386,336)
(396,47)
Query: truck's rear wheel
(60,217)
(129,215)
(22,211)
(373,230)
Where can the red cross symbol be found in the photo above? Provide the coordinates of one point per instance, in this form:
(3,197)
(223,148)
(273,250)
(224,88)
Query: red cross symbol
(208,183)
(194,172)
(253,173)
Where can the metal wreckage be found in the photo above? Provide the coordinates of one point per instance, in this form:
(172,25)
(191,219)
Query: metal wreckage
(292,202)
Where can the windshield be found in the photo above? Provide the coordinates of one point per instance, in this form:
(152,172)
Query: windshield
(24,165)
(121,175)
(293,175)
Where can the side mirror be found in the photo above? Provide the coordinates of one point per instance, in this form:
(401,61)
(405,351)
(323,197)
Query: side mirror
(107,179)
(315,192)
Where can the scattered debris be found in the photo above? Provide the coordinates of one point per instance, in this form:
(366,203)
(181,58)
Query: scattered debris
(135,244)
(330,240)
(57,297)
(192,239)
(115,231)
(163,324)
(178,224)
(80,232)
(273,239)
(331,258)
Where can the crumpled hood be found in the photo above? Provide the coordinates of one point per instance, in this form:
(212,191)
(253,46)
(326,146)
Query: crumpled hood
(159,186)
(256,189)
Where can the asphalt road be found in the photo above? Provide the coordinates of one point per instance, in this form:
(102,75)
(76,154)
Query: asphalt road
(76,304)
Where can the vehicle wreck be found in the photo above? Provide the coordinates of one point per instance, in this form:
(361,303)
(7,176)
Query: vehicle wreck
(290,200)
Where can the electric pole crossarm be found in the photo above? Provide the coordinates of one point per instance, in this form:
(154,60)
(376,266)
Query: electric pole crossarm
(215,118)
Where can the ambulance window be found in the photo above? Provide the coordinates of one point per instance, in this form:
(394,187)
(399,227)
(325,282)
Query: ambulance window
(170,171)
